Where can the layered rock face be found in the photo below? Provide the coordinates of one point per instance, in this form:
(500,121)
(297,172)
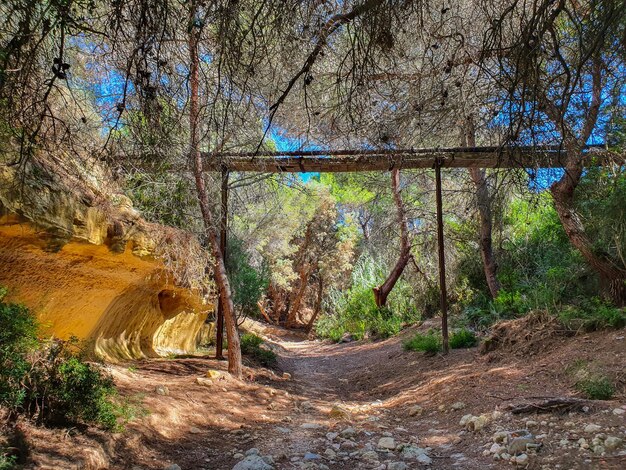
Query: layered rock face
(87,269)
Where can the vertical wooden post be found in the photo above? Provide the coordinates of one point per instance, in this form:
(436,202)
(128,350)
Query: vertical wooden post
(219,340)
(442,260)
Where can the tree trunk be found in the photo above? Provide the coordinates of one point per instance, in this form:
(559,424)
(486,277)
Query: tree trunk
(234,350)
(292,316)
(318,303)
(382,292)
(612,276)
(483,199)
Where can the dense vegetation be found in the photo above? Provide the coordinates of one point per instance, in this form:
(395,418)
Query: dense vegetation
(135,96)
(51,380)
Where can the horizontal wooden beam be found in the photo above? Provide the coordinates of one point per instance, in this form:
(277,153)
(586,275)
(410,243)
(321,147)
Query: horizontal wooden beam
(338,161)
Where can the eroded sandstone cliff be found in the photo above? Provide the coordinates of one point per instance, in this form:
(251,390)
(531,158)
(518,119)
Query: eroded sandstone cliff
(89,267)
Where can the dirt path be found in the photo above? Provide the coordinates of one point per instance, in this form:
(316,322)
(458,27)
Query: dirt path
(363,405)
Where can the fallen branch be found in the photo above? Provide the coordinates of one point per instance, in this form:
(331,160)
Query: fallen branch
(550,405)
(265,315)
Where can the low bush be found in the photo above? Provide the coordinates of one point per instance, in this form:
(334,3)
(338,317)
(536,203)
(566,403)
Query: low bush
(592,315)
(18,338)
(428,343)
(596,388)
(353,311)
(463,339)
(252,346)
(51,380)
(7,462)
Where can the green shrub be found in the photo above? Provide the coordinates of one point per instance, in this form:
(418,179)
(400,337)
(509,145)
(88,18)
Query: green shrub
(7,462)
(51,380)
(428,343)
(251,345)
(592,315)
(247,282)
(463,339)
(596,388)
(18,338)
(354,310)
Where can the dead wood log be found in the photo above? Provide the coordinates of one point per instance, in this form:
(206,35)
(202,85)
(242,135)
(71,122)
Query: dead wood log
(550,405)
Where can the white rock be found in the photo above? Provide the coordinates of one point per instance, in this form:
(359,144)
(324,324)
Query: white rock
(598,450)
(387,443)
(416,410)
(592,428)
(612,442)
(521,459)
(495,449)
(619,411)
(459,405)
(311,426)
(424,459)
(348,433)
(397,466)
(330,454)
(369,455)
(172,467)
(253,451)
(253,462)
(412,452)
(500,436)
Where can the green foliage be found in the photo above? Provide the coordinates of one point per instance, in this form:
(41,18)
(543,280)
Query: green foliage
(18,338)
(428,343)
(7,462)
(596,388)
(354,310)
(591,315)
(463,338)
(52,379)
(247,283)
(252,346)
(538,268)
(601,201)
(162,197)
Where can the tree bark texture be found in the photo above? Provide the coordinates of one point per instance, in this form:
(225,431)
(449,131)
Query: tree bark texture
(483,200)
(382,292)
(234,350)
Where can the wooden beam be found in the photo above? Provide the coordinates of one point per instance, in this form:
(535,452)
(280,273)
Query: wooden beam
(336,161)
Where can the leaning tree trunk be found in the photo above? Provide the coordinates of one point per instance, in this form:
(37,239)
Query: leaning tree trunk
(382,292)
(318,303)
(483,199)
(195,160)
(612,276)
(294,308)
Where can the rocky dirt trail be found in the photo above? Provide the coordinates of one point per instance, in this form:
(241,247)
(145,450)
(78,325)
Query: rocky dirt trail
(361,405)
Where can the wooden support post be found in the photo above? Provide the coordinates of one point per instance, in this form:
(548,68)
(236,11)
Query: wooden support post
(219,340)
(442,260)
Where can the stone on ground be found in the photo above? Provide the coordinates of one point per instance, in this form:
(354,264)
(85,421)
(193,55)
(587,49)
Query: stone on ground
(253,462)
(387,443)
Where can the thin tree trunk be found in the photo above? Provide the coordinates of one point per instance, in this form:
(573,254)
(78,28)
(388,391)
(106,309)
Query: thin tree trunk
(234,350)
(304,273)
(479,178)
(292,317)
(318,303)
(382,292)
